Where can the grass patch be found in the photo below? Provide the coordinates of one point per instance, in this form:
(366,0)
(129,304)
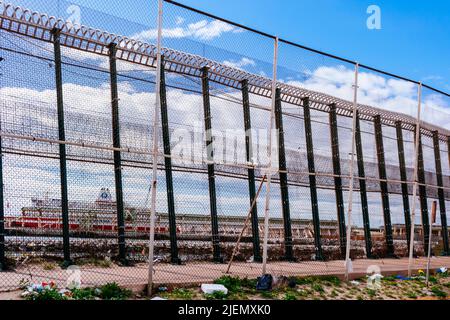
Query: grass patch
(46,295)
(179,294)
(438,292)
(112,291)
(216,295)
(317,287)
(411,295)
(290,296)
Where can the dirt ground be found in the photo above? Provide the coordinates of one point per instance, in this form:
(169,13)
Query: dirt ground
(191,275)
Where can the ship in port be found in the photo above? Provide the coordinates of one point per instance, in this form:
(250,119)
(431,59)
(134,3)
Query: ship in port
(99,219)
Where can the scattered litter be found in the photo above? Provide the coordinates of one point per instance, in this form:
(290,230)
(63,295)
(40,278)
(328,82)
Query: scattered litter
(36,288)
(264,283)
(158,299)
(280,282)
(376,277)
(211,288)
(355,283)
(442,270)
(421,273)
(292,283)
(163,289)
(399,277)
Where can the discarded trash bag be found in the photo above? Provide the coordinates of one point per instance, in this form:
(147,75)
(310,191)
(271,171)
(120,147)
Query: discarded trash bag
(211,288)
(264,283)
(442,270)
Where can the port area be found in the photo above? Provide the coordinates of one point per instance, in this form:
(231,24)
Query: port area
(135,277)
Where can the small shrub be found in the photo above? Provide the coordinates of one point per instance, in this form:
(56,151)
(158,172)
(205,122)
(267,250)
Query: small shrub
(438,292)
(317,287)
(233,284)
(371,293)
(411,295)
(46,295)
(216,295)
(433,279)
(332,280)
(290,296)
(268,294)
(182,294)
(112,291)
(84,294)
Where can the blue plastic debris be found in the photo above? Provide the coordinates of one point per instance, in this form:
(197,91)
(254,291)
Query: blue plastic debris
(264,283)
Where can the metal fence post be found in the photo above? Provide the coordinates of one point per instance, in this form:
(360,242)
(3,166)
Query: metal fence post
(211,171)
(351,172)
(251,171)
(117,154)
(416,167)
(363,188)
(441,194)
(337,179)
(2,212)
(312,179)
(423,196)
(404,179)
(283,179)
(62,147)
(154,182)
(168,168)
(384,186)
(269,168)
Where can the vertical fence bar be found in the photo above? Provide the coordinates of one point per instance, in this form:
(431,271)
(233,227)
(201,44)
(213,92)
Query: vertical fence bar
(363,187)
(312,179)
(2,212)
(337,178)
(283,179)
(384,186)
(441,194)
(168,169)
(269,168)
(211,170)
(62,147)
(416,162)
(117,154)
(423,197)
(251,171)
(404,179)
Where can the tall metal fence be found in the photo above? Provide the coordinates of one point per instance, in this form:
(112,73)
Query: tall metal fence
(77,101)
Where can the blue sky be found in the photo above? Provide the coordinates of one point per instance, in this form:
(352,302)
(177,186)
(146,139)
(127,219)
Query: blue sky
(414,40)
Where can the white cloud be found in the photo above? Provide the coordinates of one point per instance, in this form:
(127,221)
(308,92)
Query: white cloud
(374,90)
(244,62)
(202,30)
